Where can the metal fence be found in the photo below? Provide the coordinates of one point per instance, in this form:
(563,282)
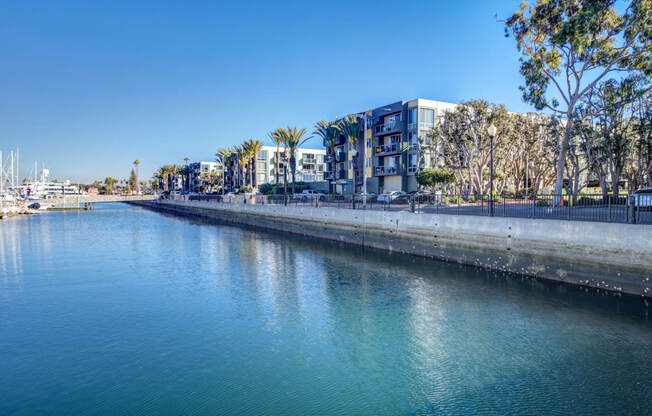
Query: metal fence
(635,208)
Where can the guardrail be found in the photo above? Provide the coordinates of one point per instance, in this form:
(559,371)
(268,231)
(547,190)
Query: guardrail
(619,209)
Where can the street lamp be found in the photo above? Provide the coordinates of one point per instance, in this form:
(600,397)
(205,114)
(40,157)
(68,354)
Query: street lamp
(492,132)
(354,155)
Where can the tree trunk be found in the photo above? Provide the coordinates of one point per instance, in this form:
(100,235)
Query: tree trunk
(276,157)
(293,167)
(561,159)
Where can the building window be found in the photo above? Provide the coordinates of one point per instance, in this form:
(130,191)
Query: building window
(368,162)
(412,115)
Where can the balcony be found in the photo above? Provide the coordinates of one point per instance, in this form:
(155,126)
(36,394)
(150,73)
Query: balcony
(329,158)
(340,157)
(388,149)
(328,176)
(387,170)
(411,170)
(380,129)
(341,174)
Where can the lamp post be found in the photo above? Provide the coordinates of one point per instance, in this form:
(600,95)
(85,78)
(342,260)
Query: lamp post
(492,132)
(364,161)
(354,155)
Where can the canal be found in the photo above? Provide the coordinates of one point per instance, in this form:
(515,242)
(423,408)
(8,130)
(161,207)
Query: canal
(121,310)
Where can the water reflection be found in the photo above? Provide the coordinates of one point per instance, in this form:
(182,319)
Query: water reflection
(227,320)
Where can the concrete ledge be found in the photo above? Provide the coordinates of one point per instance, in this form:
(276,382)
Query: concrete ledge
(614,257)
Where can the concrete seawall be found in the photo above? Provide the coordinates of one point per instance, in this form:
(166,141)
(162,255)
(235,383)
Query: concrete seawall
(614,257)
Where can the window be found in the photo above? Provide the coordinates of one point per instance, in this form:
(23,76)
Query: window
(320,158)
(412,115)
(427,116)
(368,162)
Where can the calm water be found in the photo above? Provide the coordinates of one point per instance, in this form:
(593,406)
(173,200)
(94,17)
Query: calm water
(125,311)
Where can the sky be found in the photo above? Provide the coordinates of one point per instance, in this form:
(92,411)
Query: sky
(88,87)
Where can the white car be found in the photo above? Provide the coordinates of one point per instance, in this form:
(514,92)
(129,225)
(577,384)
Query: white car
(309,194)
(390,196)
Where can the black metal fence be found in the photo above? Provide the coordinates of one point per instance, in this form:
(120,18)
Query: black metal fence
(635,208)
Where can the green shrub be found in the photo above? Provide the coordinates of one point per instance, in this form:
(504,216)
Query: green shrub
(542,203)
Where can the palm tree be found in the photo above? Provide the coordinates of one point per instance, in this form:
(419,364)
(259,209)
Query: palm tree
(136,164)
(328,131)
(110,183)
(187,174)
(242,155)
(293,139)
(350,128)
(277,139)
(222,156)
(253,148)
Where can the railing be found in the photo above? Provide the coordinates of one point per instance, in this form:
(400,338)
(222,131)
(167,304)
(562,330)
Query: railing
(387,128)
(387,170)
(388,149)
(633,209)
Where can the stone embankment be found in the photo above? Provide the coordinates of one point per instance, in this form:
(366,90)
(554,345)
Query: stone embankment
(613,257)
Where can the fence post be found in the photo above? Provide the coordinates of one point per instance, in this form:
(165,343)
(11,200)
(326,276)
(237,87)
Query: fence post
(609,202)
(569,205)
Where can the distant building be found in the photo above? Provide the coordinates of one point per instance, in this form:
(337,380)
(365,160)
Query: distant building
(196,169)
(310,167)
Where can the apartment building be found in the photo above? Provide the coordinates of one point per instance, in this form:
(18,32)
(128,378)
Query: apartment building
(310,167)
(389,151)
(196,169)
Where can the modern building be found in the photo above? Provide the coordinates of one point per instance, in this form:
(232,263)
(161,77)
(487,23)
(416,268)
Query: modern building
(391,147)
(310,167)
(195,171)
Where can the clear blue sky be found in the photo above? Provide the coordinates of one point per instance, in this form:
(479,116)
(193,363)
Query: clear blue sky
(90,86)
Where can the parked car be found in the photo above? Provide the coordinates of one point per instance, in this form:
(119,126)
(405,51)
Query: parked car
(309,194)
(393,196)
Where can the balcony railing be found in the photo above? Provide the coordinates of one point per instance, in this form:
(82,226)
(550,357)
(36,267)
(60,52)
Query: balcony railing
(328,176)
(387,170)
(388,149)
(388,128)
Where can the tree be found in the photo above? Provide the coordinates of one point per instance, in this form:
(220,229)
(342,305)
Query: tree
(293,139)
(109,183)
(351,129)
(465,144)
(277,139)
(136,164)
(210,180)
(328,132)
(222,157)
(242,156)
(432,179)
(132,182)
(252,147)
(572,45)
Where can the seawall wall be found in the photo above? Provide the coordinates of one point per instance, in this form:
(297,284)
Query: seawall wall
(614,257)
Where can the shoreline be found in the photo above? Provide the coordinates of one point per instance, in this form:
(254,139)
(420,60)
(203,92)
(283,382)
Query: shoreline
(611,257)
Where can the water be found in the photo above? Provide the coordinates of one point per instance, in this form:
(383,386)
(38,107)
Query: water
(125,311)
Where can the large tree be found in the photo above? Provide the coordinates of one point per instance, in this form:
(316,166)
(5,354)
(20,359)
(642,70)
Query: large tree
(351,128)
(293,139)
(568,46)
(277,138)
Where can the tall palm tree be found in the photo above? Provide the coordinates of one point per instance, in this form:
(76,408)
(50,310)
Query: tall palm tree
(136,164)
(187,174)
(253,148)
(277,139)
(351,129)
(328,131)
(242,155)
(222,156)
(293,139)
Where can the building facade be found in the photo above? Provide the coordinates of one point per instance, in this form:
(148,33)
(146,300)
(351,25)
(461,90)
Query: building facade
(389,151)
(195,178)
(310,167)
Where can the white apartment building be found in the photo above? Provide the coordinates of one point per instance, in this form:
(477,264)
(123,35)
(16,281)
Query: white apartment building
(309,168)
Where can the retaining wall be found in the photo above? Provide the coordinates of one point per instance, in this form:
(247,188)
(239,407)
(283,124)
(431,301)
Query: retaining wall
(615,257)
